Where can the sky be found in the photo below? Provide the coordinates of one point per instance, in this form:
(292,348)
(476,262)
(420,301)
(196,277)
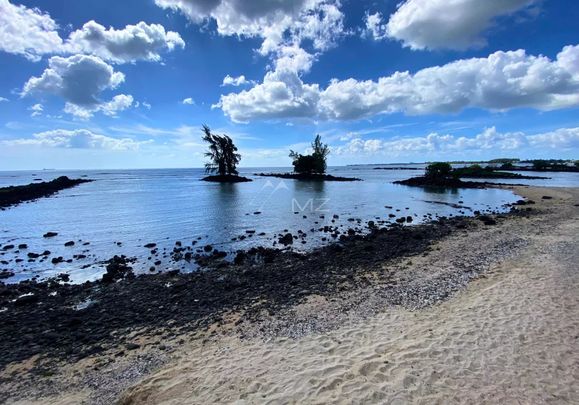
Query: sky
(128,84)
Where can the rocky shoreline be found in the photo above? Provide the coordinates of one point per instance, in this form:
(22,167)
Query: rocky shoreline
(14,195)
(226,179)
(66,322)
(308,177)
(423,181)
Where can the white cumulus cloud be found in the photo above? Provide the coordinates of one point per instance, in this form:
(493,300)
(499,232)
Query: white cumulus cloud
(375,26)
(454,24)
(79,80)
(281,95)
(235,81)
(501,81)
(118,103)
(279,23)
(188,101)
(435,143)
(32,33)
(130,44)
(27,31)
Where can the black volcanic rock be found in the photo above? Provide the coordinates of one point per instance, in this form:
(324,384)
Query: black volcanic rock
(287,239)
(308,176)
(118,268)
(446,182)
(229,178)
(14,195)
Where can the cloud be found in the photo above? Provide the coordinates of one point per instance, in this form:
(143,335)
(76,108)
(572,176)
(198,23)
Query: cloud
(3,99)
(188,101)
(36,109)
(457,24)
(235,81)
(488,140)
(31,33)
(77,139)
(118,103)
(27,32)
(133,43)
(281,95)
(501,81)
(79,80)
(375,26)
(278,23)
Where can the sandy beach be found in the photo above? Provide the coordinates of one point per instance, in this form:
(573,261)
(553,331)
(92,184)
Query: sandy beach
(510,337)
(506,332)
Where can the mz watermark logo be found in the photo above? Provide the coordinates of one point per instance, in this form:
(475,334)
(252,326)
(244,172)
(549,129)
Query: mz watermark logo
(270,192)
(311,205)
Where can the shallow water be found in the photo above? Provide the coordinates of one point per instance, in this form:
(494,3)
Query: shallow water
(136,207)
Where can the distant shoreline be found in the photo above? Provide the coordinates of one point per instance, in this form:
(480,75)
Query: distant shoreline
(14,195)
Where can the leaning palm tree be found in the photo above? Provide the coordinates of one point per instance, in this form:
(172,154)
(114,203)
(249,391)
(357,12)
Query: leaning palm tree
(222,153)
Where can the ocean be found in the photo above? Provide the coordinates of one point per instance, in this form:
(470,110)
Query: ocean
(122,210)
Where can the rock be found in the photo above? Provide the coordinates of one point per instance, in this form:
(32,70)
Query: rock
(487,220)
(64,277)
(219,254)
(23,246)
(5,274)
(69,243)
(33,255)
(50,234)
(8,247)
(207,248)
(56,260)
(286,239)
(401,220)
(132,346)
(547,197)
(26,299)
(118,268)
(409,219)
(150,245)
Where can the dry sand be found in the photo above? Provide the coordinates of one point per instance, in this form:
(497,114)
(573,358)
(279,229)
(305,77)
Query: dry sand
(509,337)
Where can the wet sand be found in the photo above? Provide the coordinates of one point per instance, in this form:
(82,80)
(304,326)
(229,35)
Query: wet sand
(508,336)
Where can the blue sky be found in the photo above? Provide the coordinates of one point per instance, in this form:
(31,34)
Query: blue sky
(110,84)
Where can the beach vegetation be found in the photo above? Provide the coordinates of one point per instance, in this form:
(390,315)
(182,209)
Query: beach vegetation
(222,153)
(314,163)
(438,170)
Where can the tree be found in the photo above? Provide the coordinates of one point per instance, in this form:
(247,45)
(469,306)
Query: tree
(507,166)
(438,170)
(314,163)
(222,152)
(540,164)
